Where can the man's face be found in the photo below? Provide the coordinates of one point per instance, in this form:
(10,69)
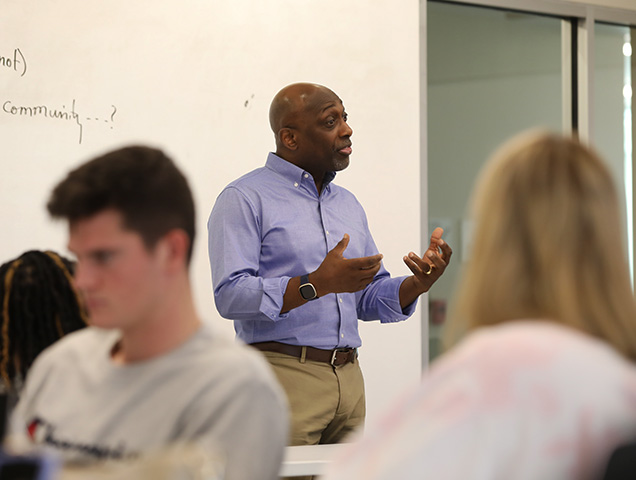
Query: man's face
(323,133)
(119,277)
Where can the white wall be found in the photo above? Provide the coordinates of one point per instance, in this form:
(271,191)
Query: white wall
(195,78)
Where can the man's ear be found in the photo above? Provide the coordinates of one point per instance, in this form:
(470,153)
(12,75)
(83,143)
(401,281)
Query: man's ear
(173,248)
(288,138)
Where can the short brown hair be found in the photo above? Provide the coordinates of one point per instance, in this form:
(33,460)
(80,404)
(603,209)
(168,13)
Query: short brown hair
(141,183)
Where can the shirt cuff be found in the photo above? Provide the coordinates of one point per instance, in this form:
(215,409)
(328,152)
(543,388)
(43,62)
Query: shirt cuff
(272,299)
(390,310)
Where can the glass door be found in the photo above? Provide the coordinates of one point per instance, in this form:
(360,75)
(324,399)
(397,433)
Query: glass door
(612,113)
(491,73)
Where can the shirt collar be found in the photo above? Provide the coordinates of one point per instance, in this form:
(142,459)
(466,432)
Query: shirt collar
(292,172)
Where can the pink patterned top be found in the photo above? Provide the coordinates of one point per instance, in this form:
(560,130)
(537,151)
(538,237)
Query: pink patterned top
(523,400)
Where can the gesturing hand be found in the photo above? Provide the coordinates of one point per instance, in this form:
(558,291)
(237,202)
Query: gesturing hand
(427,269)
(337,274)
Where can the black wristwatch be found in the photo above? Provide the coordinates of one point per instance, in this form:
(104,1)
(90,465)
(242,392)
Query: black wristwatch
(306,289)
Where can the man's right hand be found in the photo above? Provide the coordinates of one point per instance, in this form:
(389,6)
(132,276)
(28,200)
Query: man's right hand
(337,274)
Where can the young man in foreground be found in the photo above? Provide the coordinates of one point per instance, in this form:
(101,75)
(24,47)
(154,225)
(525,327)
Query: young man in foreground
(148,373)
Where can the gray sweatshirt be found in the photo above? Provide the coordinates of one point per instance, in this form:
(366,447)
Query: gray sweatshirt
(211,389)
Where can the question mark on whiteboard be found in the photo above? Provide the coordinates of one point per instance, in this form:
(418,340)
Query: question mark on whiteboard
(112,115)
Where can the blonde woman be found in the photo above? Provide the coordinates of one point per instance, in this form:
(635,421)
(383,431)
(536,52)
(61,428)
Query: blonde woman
(542,382)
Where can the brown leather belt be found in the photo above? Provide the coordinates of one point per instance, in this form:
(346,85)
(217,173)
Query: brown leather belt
(336,357)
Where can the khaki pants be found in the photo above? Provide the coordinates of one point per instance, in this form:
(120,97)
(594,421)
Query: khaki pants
(327,403)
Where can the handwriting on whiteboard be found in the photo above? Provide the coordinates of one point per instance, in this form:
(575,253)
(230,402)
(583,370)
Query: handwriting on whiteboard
(15,62)
(63,114)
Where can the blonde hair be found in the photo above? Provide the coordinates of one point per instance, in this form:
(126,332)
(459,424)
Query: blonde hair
(547,244)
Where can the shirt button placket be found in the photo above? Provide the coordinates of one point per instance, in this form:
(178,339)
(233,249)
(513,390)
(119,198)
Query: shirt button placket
(325,228)
(340,305)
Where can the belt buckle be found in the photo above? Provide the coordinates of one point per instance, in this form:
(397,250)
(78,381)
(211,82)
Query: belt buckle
(333,356)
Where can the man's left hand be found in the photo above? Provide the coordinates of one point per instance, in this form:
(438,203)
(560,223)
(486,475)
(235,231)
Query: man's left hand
(428,268)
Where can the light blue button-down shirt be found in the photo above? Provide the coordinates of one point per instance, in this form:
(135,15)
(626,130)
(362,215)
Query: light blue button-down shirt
(271,225)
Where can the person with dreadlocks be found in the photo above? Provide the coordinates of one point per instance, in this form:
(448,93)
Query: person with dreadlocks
(39,306)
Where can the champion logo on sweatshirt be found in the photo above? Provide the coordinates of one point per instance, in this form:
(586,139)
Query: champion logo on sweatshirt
(42,432)
(36,430)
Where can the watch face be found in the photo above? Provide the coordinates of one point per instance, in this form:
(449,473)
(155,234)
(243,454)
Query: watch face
(307,291)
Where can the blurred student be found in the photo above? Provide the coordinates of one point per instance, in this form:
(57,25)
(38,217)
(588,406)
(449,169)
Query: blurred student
(544,383)
(147,373)
(39,306)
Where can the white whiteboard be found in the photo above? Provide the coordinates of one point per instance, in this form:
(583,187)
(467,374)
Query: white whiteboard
(195,78)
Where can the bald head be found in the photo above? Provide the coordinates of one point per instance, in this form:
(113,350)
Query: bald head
(310,125)
(292,101)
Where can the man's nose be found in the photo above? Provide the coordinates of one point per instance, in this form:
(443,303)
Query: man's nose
(84,277)
(347,131)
